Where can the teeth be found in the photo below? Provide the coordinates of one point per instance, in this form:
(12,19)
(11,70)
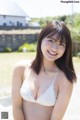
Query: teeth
(52,53)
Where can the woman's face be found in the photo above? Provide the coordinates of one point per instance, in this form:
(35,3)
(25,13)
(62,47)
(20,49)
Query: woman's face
(52,49)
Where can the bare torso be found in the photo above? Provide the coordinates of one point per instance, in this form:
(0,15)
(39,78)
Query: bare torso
(38,84)
(49,97)
(34,111)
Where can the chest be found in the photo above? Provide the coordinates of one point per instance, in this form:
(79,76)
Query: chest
(39,84)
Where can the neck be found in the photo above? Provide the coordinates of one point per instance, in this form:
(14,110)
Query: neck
(49,66)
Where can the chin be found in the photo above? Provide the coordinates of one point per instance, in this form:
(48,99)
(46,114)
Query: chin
(52,59)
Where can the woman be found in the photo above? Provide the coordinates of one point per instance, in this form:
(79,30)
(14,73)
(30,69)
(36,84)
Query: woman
(41,88)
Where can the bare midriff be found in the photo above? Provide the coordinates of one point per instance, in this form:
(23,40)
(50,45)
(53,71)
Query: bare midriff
(34,111)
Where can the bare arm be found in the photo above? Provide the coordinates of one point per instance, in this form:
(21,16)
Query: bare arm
(65,91)
(17,80)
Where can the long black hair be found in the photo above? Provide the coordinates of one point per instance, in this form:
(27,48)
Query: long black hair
(65,62)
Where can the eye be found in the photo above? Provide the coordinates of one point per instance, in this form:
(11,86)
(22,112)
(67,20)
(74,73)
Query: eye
(50,40)
(62,44)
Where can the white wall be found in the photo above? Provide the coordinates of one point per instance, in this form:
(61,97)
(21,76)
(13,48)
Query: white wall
(12,20)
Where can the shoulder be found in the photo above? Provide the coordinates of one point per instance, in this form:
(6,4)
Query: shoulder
(21,66)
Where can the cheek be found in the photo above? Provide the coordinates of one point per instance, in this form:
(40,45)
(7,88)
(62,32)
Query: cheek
(62,51)
(44,42)
(44,45)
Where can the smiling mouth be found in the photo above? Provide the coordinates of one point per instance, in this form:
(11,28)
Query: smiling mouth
(51,53)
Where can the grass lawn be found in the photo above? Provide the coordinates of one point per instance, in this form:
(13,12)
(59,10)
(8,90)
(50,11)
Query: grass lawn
(8,60)
(7,63)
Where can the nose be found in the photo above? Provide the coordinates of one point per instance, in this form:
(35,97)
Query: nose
(54,47)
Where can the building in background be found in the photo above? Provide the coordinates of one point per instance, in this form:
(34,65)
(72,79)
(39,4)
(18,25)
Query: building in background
(12,15)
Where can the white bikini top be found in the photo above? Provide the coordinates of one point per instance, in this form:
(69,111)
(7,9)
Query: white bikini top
(47,98)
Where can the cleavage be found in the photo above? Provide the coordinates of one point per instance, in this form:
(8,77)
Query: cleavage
(36,89)
(37,83)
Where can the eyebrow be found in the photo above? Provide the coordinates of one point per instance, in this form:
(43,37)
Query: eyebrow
(56,40)
(52,38)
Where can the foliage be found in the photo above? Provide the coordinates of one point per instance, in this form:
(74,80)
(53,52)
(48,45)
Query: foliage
(27,47)
(42,21)
(76,21)
(72,21)
(75,35)
(8,49)
(61,18)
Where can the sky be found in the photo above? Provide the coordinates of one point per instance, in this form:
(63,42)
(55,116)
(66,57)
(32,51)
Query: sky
(51,8)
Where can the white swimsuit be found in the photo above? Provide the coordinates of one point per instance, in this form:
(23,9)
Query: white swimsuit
(47,98)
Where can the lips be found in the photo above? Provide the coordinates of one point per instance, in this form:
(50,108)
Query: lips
(52,53)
